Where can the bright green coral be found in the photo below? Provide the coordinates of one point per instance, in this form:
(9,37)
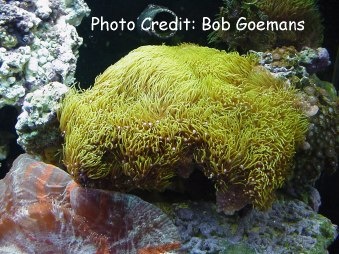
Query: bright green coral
(269,10)
(160,110)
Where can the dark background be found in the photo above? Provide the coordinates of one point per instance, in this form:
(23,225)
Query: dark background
(102,48)
(328,185)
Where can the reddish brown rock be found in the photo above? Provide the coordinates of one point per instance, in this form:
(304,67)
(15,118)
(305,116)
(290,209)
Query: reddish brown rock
(42,210)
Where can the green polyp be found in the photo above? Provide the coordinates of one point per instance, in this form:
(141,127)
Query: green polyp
(161,108)
(327,86)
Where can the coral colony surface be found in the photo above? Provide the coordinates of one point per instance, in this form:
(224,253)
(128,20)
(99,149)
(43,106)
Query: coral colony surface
(174,149)
(42,210)
(162,111)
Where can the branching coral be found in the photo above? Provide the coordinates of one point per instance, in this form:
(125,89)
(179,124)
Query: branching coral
(161,109)
(270,10)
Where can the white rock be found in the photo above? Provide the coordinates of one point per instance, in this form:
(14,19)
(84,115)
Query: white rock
(32,66)
(43,8)
(38,118)
(53,39)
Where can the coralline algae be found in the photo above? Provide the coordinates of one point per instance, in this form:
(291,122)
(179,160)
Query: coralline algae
(290,226)
(43,210)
